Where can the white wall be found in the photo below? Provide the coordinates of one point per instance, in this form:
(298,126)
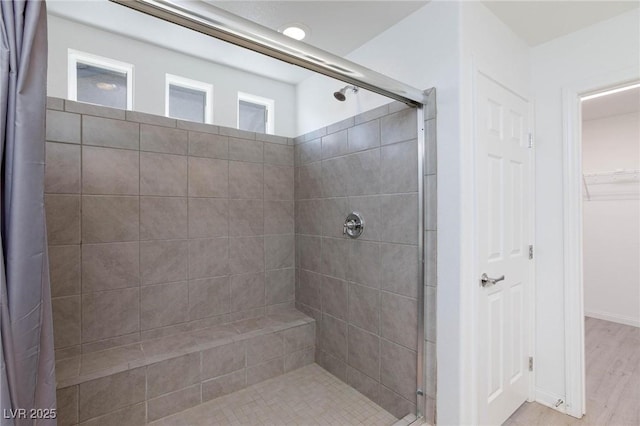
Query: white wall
(152,62)
(611,227)
(600,55)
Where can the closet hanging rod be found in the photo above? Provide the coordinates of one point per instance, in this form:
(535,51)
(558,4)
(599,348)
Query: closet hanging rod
(219,23)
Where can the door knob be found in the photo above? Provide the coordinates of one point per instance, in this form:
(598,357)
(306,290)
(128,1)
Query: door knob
(485,281)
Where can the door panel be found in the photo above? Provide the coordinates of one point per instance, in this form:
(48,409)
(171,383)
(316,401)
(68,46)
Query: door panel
(503,226)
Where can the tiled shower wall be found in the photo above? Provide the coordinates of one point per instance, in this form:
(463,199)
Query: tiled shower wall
(158,226)
(363,293)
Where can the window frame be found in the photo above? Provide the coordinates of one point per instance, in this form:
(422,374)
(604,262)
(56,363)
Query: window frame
(269,104)
(75,56)
(187,83)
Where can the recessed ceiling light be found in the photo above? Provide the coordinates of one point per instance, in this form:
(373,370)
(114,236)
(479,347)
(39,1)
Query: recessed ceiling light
(106,86)
(295,31)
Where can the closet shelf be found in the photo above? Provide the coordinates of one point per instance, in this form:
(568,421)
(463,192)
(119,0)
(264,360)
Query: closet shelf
(612,185)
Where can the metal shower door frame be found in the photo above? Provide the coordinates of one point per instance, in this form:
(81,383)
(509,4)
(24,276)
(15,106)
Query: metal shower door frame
(223,25)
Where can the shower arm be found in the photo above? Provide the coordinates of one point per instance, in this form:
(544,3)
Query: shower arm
(223,25)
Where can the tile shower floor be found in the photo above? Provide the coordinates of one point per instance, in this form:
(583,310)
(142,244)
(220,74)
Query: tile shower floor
(307,396)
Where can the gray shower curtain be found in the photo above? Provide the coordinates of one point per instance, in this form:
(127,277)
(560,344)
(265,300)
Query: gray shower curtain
(27,372)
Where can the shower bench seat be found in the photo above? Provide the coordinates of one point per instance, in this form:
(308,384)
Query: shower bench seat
(145,381)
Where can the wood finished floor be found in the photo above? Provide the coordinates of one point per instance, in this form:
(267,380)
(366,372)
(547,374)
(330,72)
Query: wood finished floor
(613,381)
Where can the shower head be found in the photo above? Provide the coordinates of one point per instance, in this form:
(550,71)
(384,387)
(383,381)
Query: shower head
(341,94)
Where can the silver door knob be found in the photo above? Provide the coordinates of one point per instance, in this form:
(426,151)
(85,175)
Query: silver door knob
(485,281)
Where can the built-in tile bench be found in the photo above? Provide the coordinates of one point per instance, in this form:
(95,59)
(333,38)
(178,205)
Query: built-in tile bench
(142,382)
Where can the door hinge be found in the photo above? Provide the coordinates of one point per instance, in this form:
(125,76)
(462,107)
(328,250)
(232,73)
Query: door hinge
(530,252)
(530,363)
(530,140)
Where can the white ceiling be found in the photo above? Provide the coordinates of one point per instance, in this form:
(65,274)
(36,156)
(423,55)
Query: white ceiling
(626,102)
(537,22)
(336,26)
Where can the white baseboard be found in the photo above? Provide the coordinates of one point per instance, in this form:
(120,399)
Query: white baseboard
(635,322)
(550,400)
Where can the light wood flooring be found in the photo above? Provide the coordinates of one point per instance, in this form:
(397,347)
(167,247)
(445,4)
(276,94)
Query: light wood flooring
(613,381)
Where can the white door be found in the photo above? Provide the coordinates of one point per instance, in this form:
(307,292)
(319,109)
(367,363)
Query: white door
(504,167)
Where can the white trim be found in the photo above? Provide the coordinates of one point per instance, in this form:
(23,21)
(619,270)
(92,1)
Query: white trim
(268,103)
(75,56)
(549,399)
(575,397)
(620,319)
(207,88)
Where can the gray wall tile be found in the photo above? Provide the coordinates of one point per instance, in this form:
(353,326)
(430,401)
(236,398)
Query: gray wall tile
(261,372)
(402,211)
(163,304)
(246,254)
(91,109)
(63,127)
(110,266)
(110,171)
(279,251)
(63,218)
(246,179)
(208,297)
(110,133)
(398,368)
(62,171)
(66,320)
(107,219)
(163,218)
(163,174)
(365,263)
(334,293)
(172,403)
(247,217)
(334,145)
(399,168)
(208,257)
(278,182)
(364,307)
(364,352)
(224,385)
(246,150)
(280,286)
(223,360)
(364,136)
(163,139)
(364,173)
(173,374)
(278,217)
(400,269)
(247,291)
(208,177)
(333,336)
(110,313)
(264,348)
(110,393)
(399,319)
(278,154)
(208,145)
(64,270)
(398,127)
(208,217)
(163,261)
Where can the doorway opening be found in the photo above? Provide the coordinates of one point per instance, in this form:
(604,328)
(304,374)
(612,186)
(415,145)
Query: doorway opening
(610,145)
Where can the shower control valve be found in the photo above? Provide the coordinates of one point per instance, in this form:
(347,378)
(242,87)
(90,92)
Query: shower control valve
(353,225)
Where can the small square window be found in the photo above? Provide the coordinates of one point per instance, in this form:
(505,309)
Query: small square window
(255,114)
(188,99)
(100,81)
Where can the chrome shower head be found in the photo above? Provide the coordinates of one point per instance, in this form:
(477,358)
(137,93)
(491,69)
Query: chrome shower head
(341,94)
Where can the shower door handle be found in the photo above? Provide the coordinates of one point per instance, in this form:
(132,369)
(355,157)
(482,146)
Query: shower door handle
(485,281)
